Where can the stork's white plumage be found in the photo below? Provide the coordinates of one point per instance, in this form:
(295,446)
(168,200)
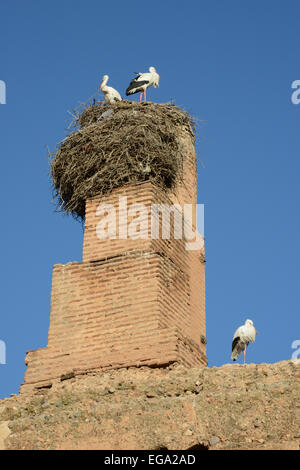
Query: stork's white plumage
(142,81)
(244,335)
(110,94)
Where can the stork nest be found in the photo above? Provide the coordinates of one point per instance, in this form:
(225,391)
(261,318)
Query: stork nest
(113,145)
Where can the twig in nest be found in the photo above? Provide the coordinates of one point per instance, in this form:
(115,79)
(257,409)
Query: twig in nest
(137,142)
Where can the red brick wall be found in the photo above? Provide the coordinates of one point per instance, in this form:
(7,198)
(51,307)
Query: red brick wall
(130,302)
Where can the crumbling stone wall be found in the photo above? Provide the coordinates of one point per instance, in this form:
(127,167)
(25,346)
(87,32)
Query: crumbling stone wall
(228,407)
(131,301)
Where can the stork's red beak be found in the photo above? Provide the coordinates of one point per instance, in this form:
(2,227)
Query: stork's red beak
(101,84)
(256,331)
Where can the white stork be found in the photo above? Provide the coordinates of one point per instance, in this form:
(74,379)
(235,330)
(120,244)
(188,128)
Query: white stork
(244,335)
(110,94)
(142,81)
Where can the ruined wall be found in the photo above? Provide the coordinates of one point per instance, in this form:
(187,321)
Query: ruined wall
(132,300)
(255,406)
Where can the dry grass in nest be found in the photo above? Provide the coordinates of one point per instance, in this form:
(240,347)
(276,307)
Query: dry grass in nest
(133,142)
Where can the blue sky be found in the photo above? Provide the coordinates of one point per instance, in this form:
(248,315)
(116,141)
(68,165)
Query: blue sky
(230,64)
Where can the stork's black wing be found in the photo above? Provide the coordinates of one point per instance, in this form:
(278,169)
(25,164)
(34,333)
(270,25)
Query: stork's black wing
(135,86)
(235,342)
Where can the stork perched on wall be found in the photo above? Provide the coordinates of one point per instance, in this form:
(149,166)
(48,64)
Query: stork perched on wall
(244,335)
(142,81)
(110,94)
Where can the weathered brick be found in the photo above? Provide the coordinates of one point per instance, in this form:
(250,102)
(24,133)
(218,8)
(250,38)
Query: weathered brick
(130,301)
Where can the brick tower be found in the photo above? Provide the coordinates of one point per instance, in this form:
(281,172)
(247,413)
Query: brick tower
(137,298)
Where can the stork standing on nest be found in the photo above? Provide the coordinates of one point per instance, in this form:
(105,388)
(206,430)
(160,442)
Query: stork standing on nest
(110,94)
(142,81)
(244,335)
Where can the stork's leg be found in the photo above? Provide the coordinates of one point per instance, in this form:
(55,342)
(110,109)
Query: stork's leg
(141,96)
(145,94)
(245,355)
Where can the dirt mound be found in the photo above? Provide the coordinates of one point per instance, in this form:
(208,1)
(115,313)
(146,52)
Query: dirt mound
(228,407)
